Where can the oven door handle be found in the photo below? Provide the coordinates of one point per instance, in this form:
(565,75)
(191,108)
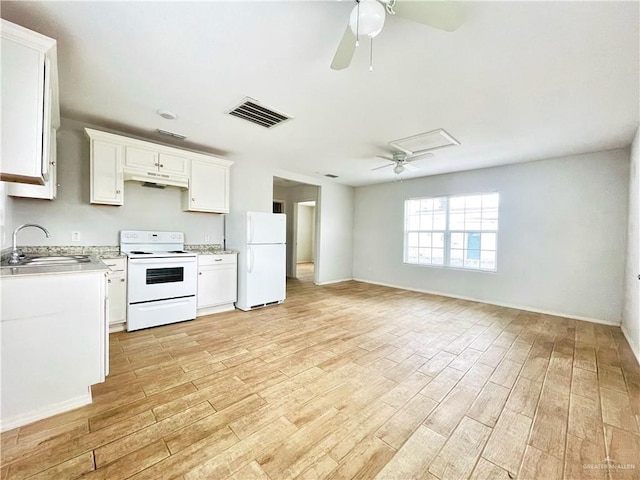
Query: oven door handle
(158,261)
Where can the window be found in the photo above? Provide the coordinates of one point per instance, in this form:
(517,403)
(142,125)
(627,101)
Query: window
(456,231)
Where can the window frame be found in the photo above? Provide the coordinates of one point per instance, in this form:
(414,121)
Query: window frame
(447,234)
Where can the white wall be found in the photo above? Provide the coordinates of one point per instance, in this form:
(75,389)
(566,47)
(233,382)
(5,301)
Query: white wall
(143,209)
(306,219)
(561,240)
(631,311)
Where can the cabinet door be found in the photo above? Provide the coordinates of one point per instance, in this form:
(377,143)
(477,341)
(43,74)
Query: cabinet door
(106,173)
(117,298)
(216,285)
(173,164)
(23,93)
(47,191)
(208,188)
(141,159)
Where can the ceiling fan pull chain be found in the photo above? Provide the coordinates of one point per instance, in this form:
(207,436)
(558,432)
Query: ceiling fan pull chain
(371,56)
(358,25)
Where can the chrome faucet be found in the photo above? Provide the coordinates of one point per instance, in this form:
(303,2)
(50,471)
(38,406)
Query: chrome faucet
(15,253)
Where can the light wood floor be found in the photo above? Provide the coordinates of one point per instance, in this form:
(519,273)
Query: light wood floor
(351,381)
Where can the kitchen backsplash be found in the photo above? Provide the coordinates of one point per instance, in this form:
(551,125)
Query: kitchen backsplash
(101,251)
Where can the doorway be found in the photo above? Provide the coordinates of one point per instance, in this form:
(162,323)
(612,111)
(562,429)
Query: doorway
(300,202)
(305,235)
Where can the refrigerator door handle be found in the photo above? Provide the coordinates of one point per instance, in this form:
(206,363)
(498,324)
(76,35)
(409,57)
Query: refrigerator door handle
(251,260)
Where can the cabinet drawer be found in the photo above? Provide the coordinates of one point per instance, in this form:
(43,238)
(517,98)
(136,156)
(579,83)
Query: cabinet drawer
(115,264)
(222,259)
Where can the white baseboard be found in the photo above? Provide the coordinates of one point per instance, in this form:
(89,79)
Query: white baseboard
(634,348)
(517,307)
(49,411)
(217,309)
(118,327)
(335,281)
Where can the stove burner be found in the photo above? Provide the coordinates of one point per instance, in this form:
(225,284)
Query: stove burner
(141,253)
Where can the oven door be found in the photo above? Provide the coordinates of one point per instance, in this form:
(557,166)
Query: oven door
(161,278)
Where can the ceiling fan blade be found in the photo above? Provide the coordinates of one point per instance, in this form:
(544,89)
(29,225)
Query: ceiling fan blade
(411,168)
(345,51)
(443,15)
(383,166)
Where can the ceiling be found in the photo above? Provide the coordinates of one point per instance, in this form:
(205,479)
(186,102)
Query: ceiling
(516,82)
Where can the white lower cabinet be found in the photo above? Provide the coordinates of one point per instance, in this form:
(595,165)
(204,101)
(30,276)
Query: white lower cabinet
(54,348)
(217,283)
(117,293)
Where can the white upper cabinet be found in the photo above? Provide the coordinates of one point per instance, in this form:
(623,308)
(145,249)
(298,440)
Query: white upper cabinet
(29,92)
(147,160)
(208,187)
(107,184)
(116,159)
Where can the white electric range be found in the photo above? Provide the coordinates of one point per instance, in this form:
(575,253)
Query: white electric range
(162,278)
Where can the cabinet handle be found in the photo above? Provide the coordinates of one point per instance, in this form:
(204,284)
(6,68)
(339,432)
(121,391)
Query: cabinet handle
(118,192)
(193,199)
(199,273)
(218,260)
(161,166)
(109,280)
(155,164)
(122,279)
(53,163)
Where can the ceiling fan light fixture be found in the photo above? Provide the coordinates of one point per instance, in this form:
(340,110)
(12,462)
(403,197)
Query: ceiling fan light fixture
(367,18)
(398,169)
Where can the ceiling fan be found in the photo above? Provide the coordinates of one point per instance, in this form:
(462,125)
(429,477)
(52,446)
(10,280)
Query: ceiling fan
(368,16)
(402,161)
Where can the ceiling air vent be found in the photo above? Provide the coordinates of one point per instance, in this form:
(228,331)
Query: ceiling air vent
(251,110)
(170,134)
(424,142)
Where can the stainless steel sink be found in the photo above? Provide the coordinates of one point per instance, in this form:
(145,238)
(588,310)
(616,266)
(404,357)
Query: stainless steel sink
(46,260)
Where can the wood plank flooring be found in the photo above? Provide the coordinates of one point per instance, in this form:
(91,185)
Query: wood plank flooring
(351,381)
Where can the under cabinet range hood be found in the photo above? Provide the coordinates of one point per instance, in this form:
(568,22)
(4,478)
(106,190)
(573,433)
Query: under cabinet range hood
(156,179)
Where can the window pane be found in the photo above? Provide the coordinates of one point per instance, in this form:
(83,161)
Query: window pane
(456,204)
(456,221)
(426,205)
(456,258)
(437,256)
(413,207)
(439,221)
(438,240)
(414,222)
(488,224)
(412,239)
(426,222)
(473,202)
(425,240)
(488,260)
(440,204)
(412,255)
(472,241)
(488,241)
(457,240)
(472,258)
(425,256)
(472,221)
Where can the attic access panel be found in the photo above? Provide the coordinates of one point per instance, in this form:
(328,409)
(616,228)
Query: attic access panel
(252,111)
(424,142)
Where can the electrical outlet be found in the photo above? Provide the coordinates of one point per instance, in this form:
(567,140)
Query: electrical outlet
(75,236)
(207,237)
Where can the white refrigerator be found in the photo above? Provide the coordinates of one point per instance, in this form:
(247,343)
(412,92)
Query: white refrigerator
(260,239)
